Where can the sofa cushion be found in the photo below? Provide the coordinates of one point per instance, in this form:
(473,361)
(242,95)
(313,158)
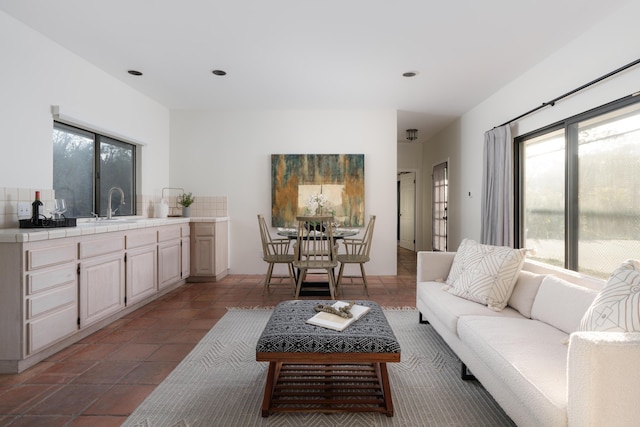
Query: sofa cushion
(485,274)
(434,302)
(528,356)
(617,306)
(561,304)
(525,291)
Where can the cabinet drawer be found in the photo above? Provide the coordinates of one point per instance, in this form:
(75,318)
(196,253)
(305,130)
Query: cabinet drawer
(101,247)
(38,282)
(49,301)
(205,229)
(168,233)
(45,257)
(140,238)
(49,329)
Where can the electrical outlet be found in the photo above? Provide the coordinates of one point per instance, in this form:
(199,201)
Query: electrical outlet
(24,210)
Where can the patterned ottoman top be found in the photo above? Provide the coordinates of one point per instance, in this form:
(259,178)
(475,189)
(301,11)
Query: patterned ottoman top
(288,332)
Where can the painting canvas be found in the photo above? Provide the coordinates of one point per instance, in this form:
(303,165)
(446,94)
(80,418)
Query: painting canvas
(298,178)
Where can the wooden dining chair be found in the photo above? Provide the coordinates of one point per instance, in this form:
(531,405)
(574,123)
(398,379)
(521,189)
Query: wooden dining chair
(315,250)
(357,252)
(275,251)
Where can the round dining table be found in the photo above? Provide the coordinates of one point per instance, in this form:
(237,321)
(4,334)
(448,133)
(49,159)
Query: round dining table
(339,233)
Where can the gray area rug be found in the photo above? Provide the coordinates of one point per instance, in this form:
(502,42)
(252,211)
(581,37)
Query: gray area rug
(220,383)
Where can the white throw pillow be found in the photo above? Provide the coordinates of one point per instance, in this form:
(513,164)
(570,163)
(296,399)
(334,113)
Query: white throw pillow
(458,262)
(485,274)
(617,306)
(561,304)
(525,291)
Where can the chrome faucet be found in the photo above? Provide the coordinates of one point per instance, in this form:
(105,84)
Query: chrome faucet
(111,190)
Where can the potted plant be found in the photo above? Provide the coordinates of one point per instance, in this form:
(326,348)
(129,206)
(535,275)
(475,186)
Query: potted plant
(186,200)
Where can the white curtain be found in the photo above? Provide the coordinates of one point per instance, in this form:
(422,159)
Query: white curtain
(497,188)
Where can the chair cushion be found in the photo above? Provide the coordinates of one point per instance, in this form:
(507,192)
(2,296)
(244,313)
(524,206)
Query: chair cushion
(448,308)
(530,356)
(561,304)
(485,274)
(617,306)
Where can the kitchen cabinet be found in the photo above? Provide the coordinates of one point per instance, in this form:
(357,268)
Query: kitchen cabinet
(186,251)
(169,256)
(51,296)
(59,286)
(209,251)
(141,270)
(102,279)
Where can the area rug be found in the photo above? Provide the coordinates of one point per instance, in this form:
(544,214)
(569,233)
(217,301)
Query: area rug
(220,383)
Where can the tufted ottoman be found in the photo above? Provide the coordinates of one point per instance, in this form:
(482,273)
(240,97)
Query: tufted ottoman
(314,369)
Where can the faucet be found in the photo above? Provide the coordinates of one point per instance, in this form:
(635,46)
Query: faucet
(111,190)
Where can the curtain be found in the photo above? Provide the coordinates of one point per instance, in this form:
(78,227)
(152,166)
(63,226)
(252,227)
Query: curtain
(497,193)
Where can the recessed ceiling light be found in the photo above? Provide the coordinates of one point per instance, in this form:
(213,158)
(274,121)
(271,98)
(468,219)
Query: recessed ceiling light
(135,72)
(410,74)
(219,72)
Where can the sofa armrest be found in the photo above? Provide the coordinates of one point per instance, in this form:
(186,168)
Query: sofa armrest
(603,379)
(433,266)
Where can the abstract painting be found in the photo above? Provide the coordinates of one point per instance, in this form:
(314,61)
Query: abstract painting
(298,179)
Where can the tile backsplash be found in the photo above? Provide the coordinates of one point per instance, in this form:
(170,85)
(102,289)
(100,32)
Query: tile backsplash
(203,206)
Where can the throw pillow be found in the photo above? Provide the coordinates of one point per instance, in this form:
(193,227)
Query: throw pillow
(617,306)
(524,292)
(485,274)
(458,262)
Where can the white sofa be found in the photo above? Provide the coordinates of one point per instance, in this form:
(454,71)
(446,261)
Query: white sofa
(529,356)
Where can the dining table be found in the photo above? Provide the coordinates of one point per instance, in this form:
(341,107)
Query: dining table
(317,288)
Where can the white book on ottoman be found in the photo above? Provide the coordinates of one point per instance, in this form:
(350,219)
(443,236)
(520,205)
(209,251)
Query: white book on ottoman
(335,322)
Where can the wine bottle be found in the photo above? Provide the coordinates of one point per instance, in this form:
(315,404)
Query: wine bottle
(36,209)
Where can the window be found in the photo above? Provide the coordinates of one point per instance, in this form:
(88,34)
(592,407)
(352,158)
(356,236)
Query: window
(84,179)
(579,189)
(439,207)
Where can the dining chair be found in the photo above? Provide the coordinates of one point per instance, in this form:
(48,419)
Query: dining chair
(315,250)
(357,252)
(275,251)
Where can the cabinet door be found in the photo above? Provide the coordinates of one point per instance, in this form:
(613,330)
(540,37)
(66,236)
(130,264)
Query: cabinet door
(203,256)
(169,268)
(141,273)
(186,257)
(222,249)
(102,288)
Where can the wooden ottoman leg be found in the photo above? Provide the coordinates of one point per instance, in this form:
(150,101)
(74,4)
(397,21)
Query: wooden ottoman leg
(386,387)
(269,386)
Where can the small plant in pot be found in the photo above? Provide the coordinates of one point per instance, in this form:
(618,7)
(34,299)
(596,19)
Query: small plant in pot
(186,200)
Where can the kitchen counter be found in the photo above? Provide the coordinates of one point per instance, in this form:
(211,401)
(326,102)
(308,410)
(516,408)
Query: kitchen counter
(90,226)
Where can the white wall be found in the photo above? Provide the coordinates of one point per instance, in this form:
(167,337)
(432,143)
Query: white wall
(599,50)
(228,153)
(36,74)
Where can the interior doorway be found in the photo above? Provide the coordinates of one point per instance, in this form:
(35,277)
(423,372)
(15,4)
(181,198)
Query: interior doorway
(406,210)
(440,204)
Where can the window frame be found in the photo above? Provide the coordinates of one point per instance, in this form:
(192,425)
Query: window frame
(571,217)
(97,142)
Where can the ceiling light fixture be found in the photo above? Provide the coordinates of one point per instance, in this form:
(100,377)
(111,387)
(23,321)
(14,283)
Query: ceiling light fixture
(219,72)
(412,134)
(135,72)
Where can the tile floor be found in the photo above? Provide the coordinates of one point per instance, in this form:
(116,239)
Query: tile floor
(100,380)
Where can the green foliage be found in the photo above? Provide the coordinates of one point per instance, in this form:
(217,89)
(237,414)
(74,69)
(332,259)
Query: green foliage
(186,199)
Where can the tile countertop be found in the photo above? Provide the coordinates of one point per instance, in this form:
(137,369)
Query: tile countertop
(89,226)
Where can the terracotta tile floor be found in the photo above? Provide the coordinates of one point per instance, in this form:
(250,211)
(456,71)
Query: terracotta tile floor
(100,380)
